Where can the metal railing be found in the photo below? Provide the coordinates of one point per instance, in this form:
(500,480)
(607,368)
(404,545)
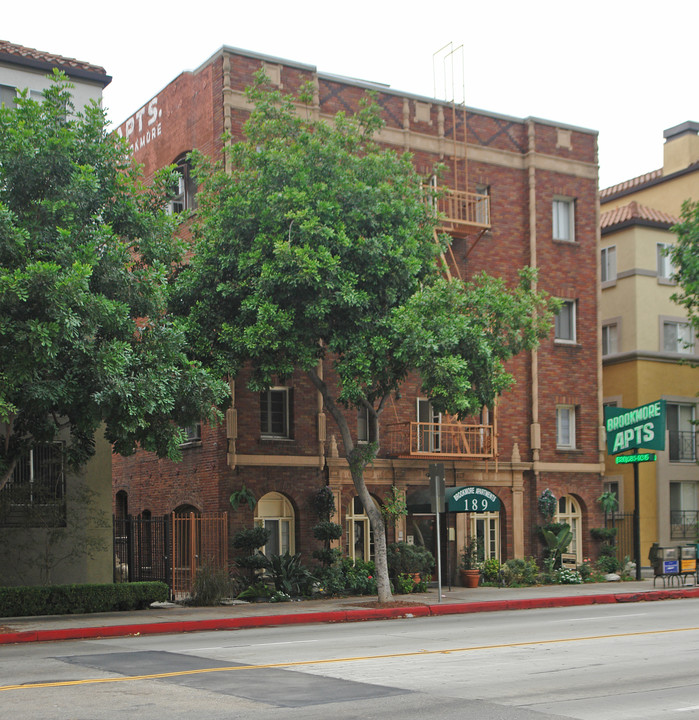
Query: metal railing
(444,439)
(683,524)
(683,445)
(462,212)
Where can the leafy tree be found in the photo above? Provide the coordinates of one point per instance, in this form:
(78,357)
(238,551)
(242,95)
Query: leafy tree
(86,256)
(319,245)
(685,258)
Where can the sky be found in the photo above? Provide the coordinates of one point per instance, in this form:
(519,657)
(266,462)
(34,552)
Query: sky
(625,68)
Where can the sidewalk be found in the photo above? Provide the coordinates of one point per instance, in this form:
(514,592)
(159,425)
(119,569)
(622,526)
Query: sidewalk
(176,619)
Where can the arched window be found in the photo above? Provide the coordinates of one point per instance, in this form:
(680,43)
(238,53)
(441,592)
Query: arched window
(275,512)
(185,190)
(569,512)
(360,538)
(121,505)
(185,510)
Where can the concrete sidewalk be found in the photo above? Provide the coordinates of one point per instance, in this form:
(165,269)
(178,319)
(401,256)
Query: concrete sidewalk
(456,600)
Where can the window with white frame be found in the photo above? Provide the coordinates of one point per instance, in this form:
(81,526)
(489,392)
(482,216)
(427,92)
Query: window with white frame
(275,513)
(678,337)
(565,427)
(563,212)
(608,264)
(275,412)
(665,267)
(610,339)
(565,322)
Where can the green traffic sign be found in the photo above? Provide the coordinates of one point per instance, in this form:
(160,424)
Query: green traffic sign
(642,427)
(638,457)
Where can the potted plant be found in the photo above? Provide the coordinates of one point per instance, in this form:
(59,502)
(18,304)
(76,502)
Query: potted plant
(470,567)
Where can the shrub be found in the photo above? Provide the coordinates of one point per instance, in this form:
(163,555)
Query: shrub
(408,559)
(518,572)
(604,534)
(491,570)
(77,599)
(607,564)
(404,584)
(359,577)
(289,575)
(566,576)
(211,585)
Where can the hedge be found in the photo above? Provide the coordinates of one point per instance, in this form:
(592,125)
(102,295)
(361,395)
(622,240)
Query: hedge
(79,599)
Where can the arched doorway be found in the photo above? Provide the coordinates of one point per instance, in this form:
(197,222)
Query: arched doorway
(275,513)
(569,512)
(360,537)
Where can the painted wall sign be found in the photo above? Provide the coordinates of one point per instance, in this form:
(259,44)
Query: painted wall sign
(642,427)
(143,127)
(471,499)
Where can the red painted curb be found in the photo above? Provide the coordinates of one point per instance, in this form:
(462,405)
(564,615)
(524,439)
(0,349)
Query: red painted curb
(335,616)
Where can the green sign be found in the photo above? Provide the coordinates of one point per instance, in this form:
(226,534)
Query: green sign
(642,427)
(639,457)
(471,499)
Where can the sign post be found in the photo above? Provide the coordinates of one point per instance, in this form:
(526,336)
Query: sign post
(436,475)
(642,427)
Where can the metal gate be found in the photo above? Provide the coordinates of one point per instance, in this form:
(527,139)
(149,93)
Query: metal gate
(169,548)
(197,541)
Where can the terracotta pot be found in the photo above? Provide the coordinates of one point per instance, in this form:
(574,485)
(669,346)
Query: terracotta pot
(470,578)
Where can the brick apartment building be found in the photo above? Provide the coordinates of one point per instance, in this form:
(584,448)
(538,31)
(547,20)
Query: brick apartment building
(521,192)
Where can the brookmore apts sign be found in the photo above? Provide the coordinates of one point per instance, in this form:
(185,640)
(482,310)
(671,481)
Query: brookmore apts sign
(642,427)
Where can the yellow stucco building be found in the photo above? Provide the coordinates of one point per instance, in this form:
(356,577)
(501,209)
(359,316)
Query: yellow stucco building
(648,347)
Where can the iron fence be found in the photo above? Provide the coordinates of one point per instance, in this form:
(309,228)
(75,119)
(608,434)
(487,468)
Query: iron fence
(683,445)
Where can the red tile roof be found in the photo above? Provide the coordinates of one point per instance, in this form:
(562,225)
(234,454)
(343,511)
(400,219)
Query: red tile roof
(634,211)
(30,56)
(629,184)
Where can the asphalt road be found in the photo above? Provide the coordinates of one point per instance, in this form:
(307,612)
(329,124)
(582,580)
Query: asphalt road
(633,661)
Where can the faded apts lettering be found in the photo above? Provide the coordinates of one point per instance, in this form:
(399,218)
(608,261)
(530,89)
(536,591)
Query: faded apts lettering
(134,130)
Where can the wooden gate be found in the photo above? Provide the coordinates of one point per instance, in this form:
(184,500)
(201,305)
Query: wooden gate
(197,541)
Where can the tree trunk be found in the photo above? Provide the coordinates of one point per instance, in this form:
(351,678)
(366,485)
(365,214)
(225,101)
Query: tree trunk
(383,583)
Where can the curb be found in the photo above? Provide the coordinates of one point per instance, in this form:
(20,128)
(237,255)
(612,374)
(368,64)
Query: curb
(339,616)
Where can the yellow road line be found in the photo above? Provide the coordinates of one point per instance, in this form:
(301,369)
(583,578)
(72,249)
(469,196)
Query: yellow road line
(300,663)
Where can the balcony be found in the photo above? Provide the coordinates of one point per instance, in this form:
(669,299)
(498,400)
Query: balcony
(683,524)
(683,446)
(440,440)
(462,213)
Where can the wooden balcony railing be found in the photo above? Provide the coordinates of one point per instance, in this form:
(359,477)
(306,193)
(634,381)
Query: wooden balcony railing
(462,213)
(456,440)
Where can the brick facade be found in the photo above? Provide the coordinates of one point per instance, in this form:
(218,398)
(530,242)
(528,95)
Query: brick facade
(524,164)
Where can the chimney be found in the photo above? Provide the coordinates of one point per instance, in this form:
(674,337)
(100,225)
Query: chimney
(681,147)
